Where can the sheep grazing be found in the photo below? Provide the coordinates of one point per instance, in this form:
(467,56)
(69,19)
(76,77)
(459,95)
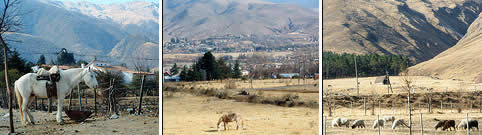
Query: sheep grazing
(398,122)
(358,124)
(445,124)
(389,118)
(472,124)
(377,123)
(338,122)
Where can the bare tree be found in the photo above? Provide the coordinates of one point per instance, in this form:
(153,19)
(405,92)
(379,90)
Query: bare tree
(9,22)
(407,84)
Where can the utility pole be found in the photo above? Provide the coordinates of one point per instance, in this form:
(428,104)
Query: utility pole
(356,75)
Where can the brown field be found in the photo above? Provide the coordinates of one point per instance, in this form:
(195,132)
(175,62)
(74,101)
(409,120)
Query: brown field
(460,96)
(347,86)
(189,112)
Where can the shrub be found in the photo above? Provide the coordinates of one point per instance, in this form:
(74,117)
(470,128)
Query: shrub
(230,84)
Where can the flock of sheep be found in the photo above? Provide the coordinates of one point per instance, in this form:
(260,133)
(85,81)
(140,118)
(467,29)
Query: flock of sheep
(444,124)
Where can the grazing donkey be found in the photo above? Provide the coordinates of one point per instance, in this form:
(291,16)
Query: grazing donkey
(231,117)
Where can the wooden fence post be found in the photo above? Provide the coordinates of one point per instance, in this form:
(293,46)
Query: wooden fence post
(471,105)
(378,122)
(467,118)
(365,105)
(379,107)
(421,123)
(140,100)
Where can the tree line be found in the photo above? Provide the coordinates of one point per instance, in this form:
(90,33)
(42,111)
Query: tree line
(343,65)
(208,68)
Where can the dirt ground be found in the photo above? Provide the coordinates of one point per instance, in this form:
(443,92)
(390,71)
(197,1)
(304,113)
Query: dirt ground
(187,114)
(46,124)
(146,123)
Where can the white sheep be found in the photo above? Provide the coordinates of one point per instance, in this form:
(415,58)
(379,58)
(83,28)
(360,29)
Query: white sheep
(358,123)
(338,122)
(463,123)
(377,123)
(398,122)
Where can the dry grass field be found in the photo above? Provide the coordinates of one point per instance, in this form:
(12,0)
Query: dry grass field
(460,96)
(186,114)
(246,84)
(195,107)
(347,86)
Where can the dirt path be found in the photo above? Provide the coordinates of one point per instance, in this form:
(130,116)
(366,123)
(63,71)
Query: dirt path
(46,124)
(187,114)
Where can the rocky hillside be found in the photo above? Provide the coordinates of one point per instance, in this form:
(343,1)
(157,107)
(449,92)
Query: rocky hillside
(463,61)
(88,29)
(196,19)
(420,29)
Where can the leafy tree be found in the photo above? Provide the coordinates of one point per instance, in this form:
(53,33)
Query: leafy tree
(208,63)
(80,62)
(223,69)
(14,74)
(65,58)
(17,62)
(174,69)
(343,65)
(41,60)
(236,70)
(183,74)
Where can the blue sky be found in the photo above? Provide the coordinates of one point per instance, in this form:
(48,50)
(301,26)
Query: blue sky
(110,1)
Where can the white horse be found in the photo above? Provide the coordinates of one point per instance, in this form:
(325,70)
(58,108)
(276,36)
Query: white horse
(27,86)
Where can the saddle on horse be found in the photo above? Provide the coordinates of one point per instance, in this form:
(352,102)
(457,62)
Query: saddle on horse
(52,76)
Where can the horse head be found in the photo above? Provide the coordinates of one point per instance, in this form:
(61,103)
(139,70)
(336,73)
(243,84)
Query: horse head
(89,78)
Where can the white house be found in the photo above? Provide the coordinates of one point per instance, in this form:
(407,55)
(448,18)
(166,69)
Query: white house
(244,72)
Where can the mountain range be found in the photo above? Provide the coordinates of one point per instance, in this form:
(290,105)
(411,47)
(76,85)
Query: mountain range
(462,61)
(113,32)
(420,29)
(199,19)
